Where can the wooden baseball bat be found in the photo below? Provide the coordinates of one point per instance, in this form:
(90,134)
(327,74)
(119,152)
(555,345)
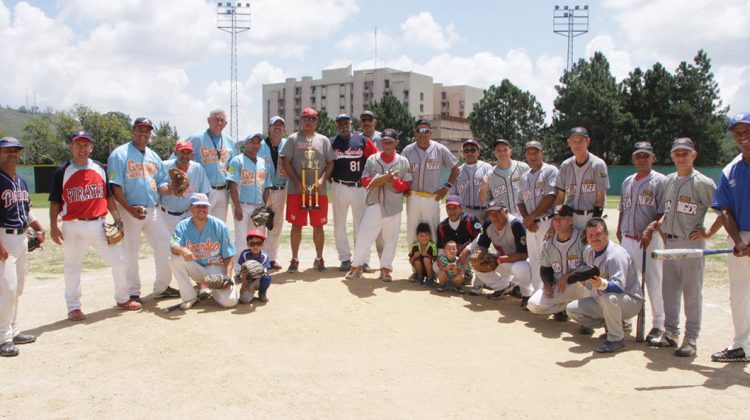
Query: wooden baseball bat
(678,254)
(641,321)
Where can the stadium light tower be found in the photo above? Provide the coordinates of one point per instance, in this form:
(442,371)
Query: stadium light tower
(233,18)
(570,22)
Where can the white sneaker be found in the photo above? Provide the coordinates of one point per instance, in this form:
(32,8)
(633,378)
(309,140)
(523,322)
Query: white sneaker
(353,274)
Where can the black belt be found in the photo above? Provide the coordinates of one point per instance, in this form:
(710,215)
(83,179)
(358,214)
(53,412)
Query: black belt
(476,208)
(583,212)
(280,187)
(88,219)
(670,236)
(542,219)
(172,213)
(15,231)
(219,187)
(349,183)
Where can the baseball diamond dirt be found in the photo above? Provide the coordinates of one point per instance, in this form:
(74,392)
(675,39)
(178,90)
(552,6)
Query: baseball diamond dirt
(325,347)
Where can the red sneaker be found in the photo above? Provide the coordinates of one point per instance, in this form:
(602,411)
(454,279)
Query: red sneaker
(129,305)
(76,315)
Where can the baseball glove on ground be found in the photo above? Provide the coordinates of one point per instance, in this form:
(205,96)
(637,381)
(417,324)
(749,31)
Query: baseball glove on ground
(482,261)
(582,272)
(33,238)
(178,181)
(113,232)
(218,281)
(263,216)
(252,270)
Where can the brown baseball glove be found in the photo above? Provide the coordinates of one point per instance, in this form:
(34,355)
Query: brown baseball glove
(218,281)
(33,240)
(263,216)
(482,261)
(252,270)
(178,181)
(113,232)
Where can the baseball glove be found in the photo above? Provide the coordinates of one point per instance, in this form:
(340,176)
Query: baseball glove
(482,261)
(582,272)
(252,270)
(178,181)
(33,239)
(113,232)
(263,216)
(218,281)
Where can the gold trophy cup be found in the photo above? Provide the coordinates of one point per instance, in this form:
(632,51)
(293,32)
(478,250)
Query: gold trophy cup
(309,174)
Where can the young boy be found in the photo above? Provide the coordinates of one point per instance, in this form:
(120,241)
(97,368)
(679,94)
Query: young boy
(450,272)
(422,255)
(254,251)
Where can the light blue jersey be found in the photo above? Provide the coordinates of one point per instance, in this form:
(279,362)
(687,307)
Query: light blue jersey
(210,246)
(138,173)
(278,177)
(214,154)
(198,183)
(251,178)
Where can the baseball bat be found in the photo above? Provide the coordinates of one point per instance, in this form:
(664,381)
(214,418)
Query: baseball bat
(641,321)
(177,306)
(678,254)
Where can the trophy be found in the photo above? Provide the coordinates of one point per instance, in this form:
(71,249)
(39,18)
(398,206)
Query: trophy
(309,174)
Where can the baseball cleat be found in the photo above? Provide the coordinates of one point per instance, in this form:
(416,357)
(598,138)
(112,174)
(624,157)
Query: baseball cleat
(664,340)
(8,349)
(345,266)
(583,330)
(688,348)
(24,339)
(76,315)
(654,334)
(354,274)
(611,346)
(169,292)
(734,355)
(129,305)
(293,266)
(367,269)
(319,264)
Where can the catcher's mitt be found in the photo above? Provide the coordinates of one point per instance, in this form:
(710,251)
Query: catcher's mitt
(33,239)
(252,270)
(482,261)
(218,281)
(263,216)
(178,181)
(582,272)
(113,232)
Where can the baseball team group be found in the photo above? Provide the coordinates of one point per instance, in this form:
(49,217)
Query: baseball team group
(513,228)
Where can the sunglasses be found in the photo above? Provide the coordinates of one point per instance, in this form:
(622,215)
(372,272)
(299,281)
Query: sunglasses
(365,119)
(472,150)
(309,119)
(423,130)
(255,243)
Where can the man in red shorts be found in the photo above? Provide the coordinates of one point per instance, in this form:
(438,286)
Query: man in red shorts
(293,159)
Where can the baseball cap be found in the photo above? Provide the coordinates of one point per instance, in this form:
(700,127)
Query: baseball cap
(643,147)
(309,112)
(562,211)
(199,199)
(743,118)
(183,145)
(10,142)
(533,144)
(471,141)
(274,119)
(81,135)
(683,143)
(256,233)
(501,141)
(343,117)
(578,131)
(453,200)
(367,114)
(143,121)
(258,135)
(422,121)
(494,207)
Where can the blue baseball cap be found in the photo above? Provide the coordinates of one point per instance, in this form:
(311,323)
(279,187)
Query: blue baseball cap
(453,200)
(258,135)
(81,135)
(10,142)
(199,199)
(743,118)
(274,119)
(143,121)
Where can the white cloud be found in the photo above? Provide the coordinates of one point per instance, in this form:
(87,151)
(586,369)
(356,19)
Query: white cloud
(423,31)
(620,63)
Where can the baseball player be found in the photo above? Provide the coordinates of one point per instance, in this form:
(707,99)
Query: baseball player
(641,196)
(368,120)
(469,180)
(254,251)
(248,177)
(134,172)
(350,154)
(535,204)
(687,196)
(583,180)
(506,233)
(732,199)
(79,195)
(502,186)
(427,159)
(202,245)
(616,292)
(213,150)
(560,255)
(269,151)
(461,228)
(387,176)
(293,160)
(15,218)
(174,208)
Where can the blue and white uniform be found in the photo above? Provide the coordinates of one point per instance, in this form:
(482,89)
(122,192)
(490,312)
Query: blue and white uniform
(175,208)
(214,154)
(277,194)
(265,281)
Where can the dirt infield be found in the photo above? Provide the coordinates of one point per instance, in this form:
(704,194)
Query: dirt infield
(325,347)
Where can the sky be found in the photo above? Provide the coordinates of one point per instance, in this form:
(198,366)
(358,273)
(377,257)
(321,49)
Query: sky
(166,60)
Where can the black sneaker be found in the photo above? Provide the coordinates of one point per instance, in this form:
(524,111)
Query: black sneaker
(525,302)
(169,292)
(654,334)
(441,287)
(345,266)
(665,340)
(136,298)
(8,349)
(583,330)
(24,339)
(561,316)
(611,346)
(688,348)
(516,292)
(734,355)
(496,295)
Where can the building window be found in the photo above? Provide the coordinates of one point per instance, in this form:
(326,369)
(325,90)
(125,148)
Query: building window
(323,97)
(406,94)
(445,96)
(421,96)
(312,99)
(312,89)
(421,107)
(297,91)
(387,83)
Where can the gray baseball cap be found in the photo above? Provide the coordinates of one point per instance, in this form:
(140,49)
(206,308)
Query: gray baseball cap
(533,144)
(643,147)
(683,143)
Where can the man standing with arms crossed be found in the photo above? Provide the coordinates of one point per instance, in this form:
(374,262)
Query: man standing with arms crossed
(641,196)
(350,154)
(502,186)
(427,159)
(469,180)
(293,158)
(175,208)
(732,199)
(269,151)
(214,150)
(134,172)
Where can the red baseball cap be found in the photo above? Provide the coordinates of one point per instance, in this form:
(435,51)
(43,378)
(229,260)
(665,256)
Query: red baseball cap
(183,145)
(256,233)
(309,112)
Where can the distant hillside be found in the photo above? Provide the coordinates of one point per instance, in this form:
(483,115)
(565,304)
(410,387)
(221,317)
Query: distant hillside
(12,122)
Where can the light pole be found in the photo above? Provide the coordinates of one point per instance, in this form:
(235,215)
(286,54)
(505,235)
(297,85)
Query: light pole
(570,21)
(233,18)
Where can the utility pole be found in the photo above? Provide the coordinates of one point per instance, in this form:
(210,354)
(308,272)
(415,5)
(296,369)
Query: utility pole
(233,18)
(570,22)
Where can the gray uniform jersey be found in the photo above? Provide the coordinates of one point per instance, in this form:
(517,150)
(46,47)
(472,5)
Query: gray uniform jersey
(640,200)
(377,139)
(616,267)
(537,185)
(427,165)
(391,202)
(468,182)
(509,240)
(563,256)
(581,183)
(294,150)
(504,185)
(686,200)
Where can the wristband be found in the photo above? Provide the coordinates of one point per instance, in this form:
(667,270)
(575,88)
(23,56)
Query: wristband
(448,185)
(598,211)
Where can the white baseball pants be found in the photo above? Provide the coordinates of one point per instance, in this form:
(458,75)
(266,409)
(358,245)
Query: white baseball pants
(12,279)
(157,236)
(534,244)
(276,201)
(240,231)
(518,272)
(653,275)
(186,272)
(219,200)
(608,309)
(170,220)
(344,197)
(739,297)
(421,209)
(373,224)
(542,305)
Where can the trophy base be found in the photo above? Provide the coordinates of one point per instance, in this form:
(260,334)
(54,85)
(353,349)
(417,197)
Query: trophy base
(310,207)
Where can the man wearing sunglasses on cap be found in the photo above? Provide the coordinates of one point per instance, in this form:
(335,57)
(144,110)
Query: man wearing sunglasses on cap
(469,180)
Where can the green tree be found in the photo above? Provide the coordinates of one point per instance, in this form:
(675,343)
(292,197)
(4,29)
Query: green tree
(326,126)
(393,114)
(42,144)
(509,113)
(164,139)
(109,130)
